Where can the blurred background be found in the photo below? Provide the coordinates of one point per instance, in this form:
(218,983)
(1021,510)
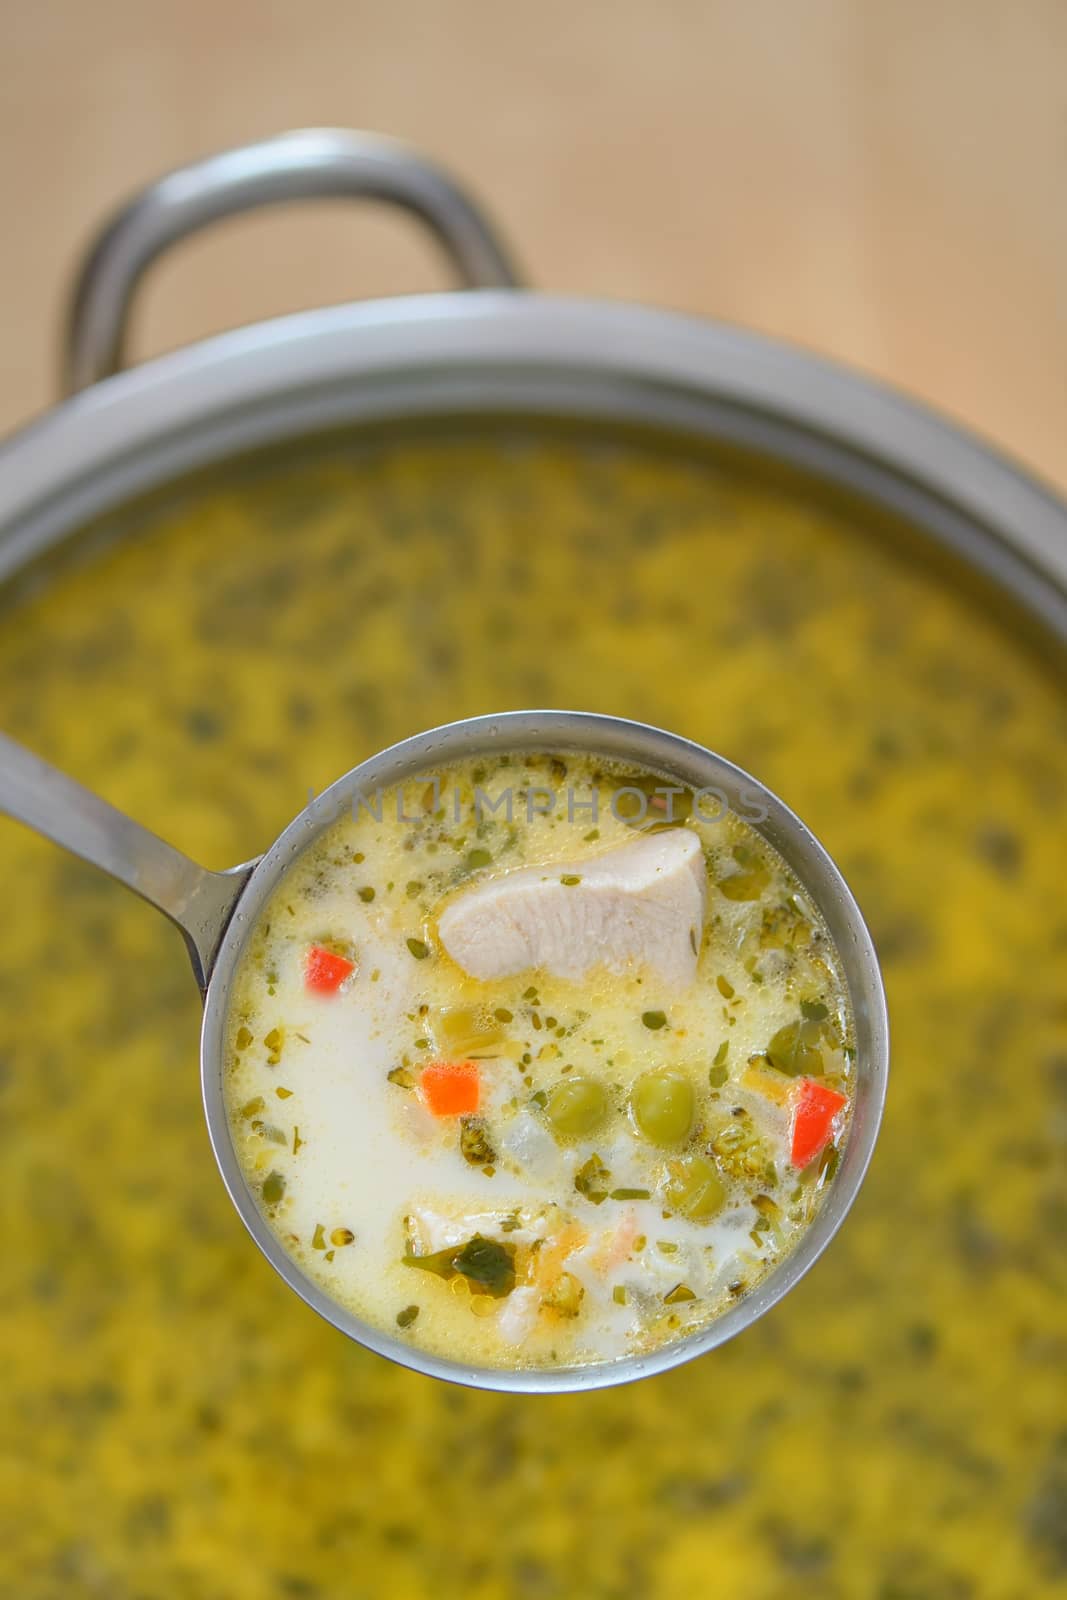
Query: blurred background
(881,181)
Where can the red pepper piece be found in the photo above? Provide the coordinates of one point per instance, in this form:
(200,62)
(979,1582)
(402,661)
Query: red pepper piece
(814,1111)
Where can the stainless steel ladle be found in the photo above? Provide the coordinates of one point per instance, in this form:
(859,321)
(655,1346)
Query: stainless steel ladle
(217,911)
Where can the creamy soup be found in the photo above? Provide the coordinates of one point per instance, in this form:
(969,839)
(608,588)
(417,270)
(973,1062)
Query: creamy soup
(538,1061)
(176,1424)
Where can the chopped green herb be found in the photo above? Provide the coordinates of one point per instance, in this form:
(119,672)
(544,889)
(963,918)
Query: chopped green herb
(630,1194)
(418,949)
(273,1188)
(725,987)
(366,894)
(318,1238)
(570,880)
(828,1163)
(477,858)
(591,1178)
(250,1107)
(619,1295)
(813,1011)
(793,1051)
(405,1318)
(484,1262)
(678,1294)
(474,1142)
(402,1076)
(654,1019)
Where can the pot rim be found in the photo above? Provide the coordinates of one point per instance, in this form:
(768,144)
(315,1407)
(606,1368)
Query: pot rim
(461,352)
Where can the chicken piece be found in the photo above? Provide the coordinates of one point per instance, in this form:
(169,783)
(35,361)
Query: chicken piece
(641,904)
(518,1316)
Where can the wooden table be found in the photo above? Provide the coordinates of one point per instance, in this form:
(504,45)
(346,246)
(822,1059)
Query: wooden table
(883,180)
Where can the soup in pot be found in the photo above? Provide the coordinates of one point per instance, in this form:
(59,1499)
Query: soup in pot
(179,1425)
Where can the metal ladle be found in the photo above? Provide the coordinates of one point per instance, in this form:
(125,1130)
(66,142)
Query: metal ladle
(218,911)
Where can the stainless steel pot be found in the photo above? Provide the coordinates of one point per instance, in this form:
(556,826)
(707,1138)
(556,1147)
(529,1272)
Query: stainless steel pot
(501,349)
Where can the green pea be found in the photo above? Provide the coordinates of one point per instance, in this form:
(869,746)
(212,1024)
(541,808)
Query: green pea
(662,1106)
(694,1188)
(576,1106)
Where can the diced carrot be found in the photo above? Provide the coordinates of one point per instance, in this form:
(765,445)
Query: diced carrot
(325,972)
(451,1088)
(814,1110)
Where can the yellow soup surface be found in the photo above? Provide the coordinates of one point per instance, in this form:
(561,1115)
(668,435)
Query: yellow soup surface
(176,1423)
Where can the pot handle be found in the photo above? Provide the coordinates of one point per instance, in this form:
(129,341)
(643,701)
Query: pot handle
(308,164)
(46,800)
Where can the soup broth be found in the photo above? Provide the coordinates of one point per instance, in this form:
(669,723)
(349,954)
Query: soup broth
(566,1152)
(178,1424)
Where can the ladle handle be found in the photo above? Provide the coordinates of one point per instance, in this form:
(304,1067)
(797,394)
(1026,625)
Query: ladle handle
(50,803)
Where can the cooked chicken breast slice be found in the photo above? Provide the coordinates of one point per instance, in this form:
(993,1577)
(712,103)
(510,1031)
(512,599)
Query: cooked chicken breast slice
(639,905)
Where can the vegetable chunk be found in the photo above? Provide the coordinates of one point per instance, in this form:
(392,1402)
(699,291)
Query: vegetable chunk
(324,972)
(451,1088)
(814,1111)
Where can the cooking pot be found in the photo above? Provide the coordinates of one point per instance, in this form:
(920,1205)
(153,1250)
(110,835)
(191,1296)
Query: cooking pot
(502,348)
(494,350)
